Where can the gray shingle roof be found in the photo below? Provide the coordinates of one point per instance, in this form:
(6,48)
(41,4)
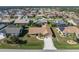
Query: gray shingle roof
(12,30)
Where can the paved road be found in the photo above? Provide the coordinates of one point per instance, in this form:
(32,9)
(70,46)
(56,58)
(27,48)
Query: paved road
(48,43)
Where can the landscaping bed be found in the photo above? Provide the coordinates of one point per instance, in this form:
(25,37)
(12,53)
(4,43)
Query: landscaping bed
(61,42)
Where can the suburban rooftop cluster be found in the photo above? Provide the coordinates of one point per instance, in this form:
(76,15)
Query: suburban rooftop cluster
(60,25)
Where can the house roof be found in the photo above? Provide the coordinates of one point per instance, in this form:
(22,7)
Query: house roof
(40,21)
(2,25)
(7,20)
(76,21)
(12,30)
(40,30)
(59,22)
(35,30)
(22,21)
(70,29)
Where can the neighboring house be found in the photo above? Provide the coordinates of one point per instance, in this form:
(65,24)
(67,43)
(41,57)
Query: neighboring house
(22,20)
(2,26)
(76,21)
(30,15)
(40,21)
(59,22)
(71,22)
(6,19)
(44,30)
(39,15)
(69,30)
(12,30)
(50,15)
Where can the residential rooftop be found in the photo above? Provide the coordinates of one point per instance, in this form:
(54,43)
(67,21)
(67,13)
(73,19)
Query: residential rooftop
(40,30)
(69,29)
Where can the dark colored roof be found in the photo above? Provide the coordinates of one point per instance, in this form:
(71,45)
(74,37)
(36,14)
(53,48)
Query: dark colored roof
(59,22)
(2,31)
(13,26)
(61,28)
(2,25)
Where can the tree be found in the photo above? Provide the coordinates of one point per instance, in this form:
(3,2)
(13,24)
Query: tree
(15,40)
(7,35)
(12,39)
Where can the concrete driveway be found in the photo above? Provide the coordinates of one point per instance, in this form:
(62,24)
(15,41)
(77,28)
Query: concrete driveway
(48,43)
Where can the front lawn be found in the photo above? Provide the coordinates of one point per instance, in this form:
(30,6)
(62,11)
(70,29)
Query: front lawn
(32,43)
(61,42)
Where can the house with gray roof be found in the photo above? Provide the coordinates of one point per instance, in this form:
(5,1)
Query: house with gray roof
(12,30)
(59,22)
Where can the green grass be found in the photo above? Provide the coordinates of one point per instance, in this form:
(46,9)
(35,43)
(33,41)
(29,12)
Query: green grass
(61,42)
(32,43)
(61,45)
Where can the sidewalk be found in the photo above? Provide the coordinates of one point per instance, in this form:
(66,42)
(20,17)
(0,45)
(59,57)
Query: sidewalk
(48,43)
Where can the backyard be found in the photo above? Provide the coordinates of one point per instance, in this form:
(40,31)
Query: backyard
(61,42)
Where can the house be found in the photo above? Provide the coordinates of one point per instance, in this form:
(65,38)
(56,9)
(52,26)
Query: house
(71,21)
(69,30)
(30,15)
(39,15)
(59,22)
(44,30)
(51,15)
(12,30)
(2,26)
(22,20)
(40,21)
(6,19)
(76,21)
